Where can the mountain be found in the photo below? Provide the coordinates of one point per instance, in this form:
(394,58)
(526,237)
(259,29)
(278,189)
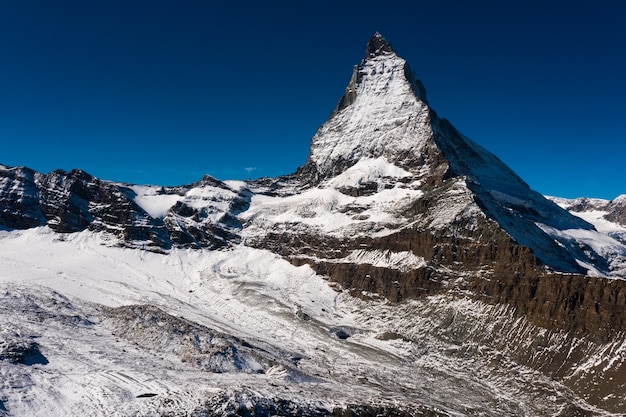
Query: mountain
(386,174)
(608,216)
(403,270)
(200,215)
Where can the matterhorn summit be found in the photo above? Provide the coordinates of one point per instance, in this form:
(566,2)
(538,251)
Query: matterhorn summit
(384,117)
(382,114)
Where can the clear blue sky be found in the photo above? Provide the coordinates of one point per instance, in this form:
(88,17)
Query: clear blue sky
(163,92)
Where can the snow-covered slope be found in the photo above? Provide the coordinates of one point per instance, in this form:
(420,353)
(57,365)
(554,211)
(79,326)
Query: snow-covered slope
(609,238)
(95,330)
(608,216)
(202,214)
(385,119)
(360,201)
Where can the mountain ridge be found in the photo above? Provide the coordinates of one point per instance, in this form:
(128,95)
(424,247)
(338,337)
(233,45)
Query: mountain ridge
(382,141)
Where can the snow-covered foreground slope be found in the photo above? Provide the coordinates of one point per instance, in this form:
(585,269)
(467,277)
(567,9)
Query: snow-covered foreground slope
(93,330)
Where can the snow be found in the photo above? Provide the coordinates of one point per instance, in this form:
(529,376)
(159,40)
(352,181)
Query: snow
(388,124)
(591,203)
(367,170)
(596,217)
(236,185)
(402,261)
(153,201)
(593,243)
(457,202)
(386,119)
(157,202)
(609,241)
(58,284)
(325,209)
(103,323)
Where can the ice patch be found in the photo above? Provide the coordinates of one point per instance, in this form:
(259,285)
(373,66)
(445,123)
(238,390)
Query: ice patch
(404,261)
(367,170)
(153,201)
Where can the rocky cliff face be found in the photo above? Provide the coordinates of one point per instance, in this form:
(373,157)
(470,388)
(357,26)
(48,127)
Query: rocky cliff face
(385,116)
(385,164)
(202,215)
(387,181)
(617,210)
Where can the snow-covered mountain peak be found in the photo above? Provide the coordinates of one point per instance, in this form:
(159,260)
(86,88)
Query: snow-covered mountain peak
(383,113)
(621,199)
(384,117)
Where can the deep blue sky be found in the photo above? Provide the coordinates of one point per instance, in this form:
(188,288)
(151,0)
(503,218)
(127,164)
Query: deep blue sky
(163,92)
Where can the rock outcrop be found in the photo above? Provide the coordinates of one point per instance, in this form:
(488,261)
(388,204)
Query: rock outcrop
(202,215)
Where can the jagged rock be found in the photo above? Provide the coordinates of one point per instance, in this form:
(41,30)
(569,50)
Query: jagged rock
(616,210)
(74,201)
(19,198)
(205,348)
(248,404)
(470,218)
(19,350)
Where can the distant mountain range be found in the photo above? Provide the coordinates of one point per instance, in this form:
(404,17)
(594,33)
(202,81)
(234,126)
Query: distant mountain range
(403,260)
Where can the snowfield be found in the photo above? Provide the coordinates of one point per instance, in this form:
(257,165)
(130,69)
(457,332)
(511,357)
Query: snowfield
(608,240)
(329,210)
(90,329)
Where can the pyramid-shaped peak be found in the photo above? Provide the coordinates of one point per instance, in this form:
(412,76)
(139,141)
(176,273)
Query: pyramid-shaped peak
(378,45)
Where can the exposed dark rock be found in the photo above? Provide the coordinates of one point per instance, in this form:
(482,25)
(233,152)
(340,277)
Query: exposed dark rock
(152,328)
(617,211)
(147,395)
(584,204)
(247,404)
(416,84)
(350,95)
(302,315)
(77,201)
(198,232)
(74,201)
(384,411)
(21,350)
(378,45)
(19,199)
(343,332)
(496,252)
(583,304)
(202,347)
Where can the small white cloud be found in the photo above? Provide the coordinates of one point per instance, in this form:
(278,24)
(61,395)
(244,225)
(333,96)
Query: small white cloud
(249,169)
